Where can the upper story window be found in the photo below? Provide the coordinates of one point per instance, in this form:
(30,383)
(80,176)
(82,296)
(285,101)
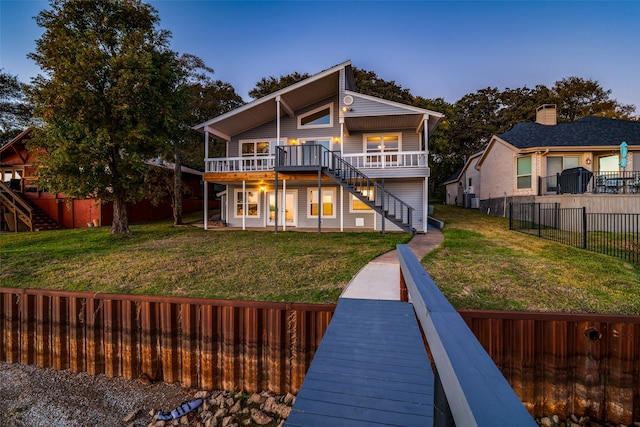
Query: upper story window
(524,172)
(321,117)
(255,148)
(382,143)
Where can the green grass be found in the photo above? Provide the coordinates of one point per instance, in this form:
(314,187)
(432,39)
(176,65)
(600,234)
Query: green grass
(483,265)
(159,259)
(480,265)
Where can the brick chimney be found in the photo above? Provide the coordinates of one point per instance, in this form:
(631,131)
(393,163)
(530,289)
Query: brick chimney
(546,115)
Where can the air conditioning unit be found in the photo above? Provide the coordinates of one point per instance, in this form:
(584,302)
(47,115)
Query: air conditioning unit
(475,203)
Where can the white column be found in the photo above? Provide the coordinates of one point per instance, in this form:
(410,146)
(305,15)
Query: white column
(206,184)
(284,204)
(244,204)
(425,214)
(342,208)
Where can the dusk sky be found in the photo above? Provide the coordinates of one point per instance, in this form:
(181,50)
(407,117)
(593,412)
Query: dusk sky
(433,48)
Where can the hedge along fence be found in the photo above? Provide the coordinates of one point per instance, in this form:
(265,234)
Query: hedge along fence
(203,343)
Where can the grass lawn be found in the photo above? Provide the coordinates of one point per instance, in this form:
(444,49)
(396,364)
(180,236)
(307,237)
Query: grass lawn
(480,265)
(159,259)
(483,265)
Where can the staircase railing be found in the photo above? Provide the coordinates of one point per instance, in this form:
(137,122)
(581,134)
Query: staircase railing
(17,206)
(370,192)
(317,157)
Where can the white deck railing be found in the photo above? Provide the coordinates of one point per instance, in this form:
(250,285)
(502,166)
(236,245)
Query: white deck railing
(403,159)
(240,164)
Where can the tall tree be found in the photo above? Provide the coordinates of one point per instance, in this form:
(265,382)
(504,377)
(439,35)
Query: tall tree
(443,156)
(200,97)
(271,84)
(15,111)
(368,83)
(107,98)
(577,98)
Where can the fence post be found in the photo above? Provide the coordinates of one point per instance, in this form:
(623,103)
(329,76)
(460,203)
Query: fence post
(539,220)
(511,216)
(584,227)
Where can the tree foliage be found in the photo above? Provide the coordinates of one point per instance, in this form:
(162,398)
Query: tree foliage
(577,97)
(268,85)
(15,111)
(199,97)
(107,98)
(368,83)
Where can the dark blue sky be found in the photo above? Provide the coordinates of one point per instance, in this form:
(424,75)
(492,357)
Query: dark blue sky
(434,48)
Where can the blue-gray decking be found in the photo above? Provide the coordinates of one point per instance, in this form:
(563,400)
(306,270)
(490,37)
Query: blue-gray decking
(371,369)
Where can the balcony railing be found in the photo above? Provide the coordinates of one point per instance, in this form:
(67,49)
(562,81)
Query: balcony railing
(306,155)
(240,164)
(401,159)
(583,181)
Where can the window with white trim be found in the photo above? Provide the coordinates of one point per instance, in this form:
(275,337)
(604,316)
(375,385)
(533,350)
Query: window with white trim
(523,168)
(358,206)
(249,200)
(382,149)
(328,202)
(321,117)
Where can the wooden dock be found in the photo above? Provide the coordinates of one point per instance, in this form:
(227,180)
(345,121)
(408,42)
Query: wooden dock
(371,369)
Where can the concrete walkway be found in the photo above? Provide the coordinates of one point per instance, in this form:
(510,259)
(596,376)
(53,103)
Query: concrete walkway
(380,279)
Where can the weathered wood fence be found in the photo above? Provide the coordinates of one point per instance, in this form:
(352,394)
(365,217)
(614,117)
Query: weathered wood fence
(204,343)
(556,363)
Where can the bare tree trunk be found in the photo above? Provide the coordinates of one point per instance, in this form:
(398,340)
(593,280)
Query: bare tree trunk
(177,187)
(120,223)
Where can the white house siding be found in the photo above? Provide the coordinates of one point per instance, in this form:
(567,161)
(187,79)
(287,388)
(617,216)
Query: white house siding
(498,172)
(408,190)
(288,128)
(368,107)
(354,143)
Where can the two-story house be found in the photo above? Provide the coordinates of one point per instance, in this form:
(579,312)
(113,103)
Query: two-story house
(318,154)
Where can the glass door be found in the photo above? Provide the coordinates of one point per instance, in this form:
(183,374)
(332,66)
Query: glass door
(290,208)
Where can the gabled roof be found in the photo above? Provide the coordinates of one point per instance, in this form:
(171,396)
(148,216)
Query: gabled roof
(456,176)
(586,132)
(16,146)
(298,95)
(316,88)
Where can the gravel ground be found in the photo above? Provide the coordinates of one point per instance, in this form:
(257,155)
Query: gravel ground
(35,397)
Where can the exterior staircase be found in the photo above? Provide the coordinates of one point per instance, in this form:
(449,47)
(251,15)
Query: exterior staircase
(370,192)
(25,213)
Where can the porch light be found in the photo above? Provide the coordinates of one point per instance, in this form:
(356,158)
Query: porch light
(588,160)
(346,109)
(263,188)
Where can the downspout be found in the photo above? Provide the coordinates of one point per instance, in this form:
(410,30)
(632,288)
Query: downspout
(342,208)
(206,184)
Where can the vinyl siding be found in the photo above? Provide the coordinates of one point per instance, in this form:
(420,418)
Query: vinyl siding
(288,128)
(409,191)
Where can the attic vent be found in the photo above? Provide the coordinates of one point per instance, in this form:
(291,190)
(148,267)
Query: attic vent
(546,115)
(348,100)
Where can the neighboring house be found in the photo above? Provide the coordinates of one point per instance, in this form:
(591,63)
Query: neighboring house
(463,186)
(26,206)
(322,155)
(576,164)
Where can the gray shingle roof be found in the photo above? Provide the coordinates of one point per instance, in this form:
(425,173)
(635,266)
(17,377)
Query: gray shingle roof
(589,131)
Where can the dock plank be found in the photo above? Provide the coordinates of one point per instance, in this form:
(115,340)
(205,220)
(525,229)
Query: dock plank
(371,369)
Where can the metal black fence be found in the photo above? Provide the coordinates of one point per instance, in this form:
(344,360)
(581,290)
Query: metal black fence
(613,234)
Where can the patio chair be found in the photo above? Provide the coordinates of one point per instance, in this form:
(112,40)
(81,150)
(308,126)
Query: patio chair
(635,184)
(601,184)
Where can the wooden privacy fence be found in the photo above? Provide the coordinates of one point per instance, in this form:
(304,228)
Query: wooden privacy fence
(203,343)
(583,364)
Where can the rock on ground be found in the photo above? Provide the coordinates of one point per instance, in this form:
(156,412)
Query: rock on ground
(35,397)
